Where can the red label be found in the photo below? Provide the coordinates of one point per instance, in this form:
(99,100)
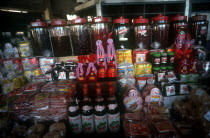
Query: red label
(123,31)
(102,73)
(112,72)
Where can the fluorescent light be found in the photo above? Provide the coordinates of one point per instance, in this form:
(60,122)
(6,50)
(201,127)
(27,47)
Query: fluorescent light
(71,17)
(18,11)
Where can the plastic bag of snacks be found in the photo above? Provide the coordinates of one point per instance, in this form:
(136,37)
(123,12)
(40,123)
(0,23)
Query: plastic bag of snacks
(142,68)
(25,49)
(124,55)
(125,69)
(141,82)
(30,63)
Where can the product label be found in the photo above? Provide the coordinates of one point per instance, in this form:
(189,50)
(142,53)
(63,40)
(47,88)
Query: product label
(157,60)
(87,108)
(184,89)
(171,76)
(112,72)
(164,60)
(114,122)
(102,73)
(8,65)
(172,60)
(138,129)
(101,123)
(207,116)
(72,75)
(88,124)
(112,106)
(140,57)
(62,76)
(161,76)
(170,90)
(164,126)
(73,108)
(122,31)
(76,124)
(142,32)
(141,84)
(99,108)
(8,87)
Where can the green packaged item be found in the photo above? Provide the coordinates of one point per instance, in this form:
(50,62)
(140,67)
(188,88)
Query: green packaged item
(185,78)
(194,78)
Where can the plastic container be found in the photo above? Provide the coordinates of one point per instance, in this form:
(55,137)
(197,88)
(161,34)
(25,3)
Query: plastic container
(60,38)
(160,30)
(199,27)
(101,30)
(122,33)
(141,32)
(80,37)
(40,39)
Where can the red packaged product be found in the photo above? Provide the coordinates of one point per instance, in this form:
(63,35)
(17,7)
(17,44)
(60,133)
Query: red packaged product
(30,63)
(183,67)
(193,66)
(50,87)
(187,51)
(17,65)
(34,87)
(81,69)
(178,51)
(140,55)
(91,73)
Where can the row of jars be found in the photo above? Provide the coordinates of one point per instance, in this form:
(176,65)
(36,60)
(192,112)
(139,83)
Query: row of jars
(80,39)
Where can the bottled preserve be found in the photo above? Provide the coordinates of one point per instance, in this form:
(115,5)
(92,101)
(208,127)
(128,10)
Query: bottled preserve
(40,39)
(113,112)
(74,115)
(100,113)
(60,38)
(87,113)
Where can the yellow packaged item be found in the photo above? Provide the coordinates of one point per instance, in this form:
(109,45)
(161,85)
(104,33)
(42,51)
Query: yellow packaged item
(124,55)
(142,68)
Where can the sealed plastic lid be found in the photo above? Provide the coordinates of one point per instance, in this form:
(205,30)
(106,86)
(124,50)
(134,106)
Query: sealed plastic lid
(178,17)
(100,19)
(160,17)
(58,22)
(163,67)
(198,17)
(121,20)
(78,20)
(38,23)
(140,20)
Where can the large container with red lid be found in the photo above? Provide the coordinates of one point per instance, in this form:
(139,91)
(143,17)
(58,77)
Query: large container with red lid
(199,28)
(101,30)
(122,33)
(141,32)
(160,30)
(40,39)
(175,23)
(80,36)
(60,38)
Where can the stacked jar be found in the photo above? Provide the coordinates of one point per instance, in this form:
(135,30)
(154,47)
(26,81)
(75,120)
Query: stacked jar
(141,33)
(40,39)
(101,30)
(160,31)
(60,38)
(122,34)
(80,37)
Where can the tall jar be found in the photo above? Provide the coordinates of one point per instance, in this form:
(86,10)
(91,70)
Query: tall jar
(122,34)
(141,32)
(160,30)
(40,39)
(199,28)
(60,38)
(80,37)
(101,30)
(175,22)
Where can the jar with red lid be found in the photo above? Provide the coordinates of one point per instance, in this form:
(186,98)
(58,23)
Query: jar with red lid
(122,33)
(101,30)
(160,30)
(40,39)
(141,32)
(175,22)
(199,28)
(80,36)
(60,38)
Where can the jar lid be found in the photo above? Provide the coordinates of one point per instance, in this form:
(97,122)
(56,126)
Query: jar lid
(156,68)
(163,67)
(140,20)
(163,54)
(170,67)
(171,53)
(178,17)
(38,23)
(100,19)
(160,17)
(58,22)
(121,20)
(156,54)
(78,20)
(198,17)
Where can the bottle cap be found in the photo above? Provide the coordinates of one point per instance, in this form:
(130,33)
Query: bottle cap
(100,19)
(58,22)
(78,20)
(38,23)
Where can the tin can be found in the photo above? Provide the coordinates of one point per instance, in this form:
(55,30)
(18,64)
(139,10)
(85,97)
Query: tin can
(124,55)
(140,55)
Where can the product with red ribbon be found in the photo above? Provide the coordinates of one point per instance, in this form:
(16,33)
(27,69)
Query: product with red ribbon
(91,73)
(81,69)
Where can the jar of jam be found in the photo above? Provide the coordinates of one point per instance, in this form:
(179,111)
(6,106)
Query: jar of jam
(199,27)
(101,30)
(175,22)
(170,58)
(156,59)
(160,30)
(163,69)
(80,37)
(163,59)
(122,33)
(60,38)
(141,32)
(40,39)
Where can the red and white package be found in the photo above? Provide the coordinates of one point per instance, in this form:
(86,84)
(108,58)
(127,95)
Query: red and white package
(34,87)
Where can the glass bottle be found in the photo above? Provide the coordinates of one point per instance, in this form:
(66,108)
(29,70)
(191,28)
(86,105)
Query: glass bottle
(112,70)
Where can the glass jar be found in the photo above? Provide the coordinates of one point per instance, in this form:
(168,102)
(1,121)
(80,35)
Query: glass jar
(199,27)
(40,39)
(141,33)
(101,30)
(80,37)
(176,21)
(122,34)
(60,38)
(160,30)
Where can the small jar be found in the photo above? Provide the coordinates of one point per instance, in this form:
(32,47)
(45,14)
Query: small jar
(170,58)
(163,69)
(163,60)
(156,59)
